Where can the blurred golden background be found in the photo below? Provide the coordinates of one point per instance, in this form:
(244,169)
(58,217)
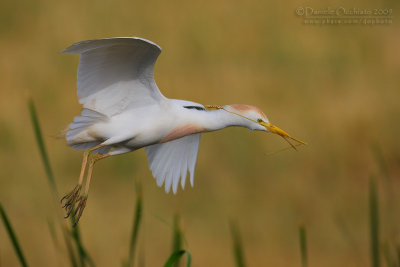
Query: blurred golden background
(334,86)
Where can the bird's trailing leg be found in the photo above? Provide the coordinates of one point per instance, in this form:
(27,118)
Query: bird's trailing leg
(83,198)
(70,199)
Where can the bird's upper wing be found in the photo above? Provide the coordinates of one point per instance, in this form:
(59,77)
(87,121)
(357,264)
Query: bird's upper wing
(116,74)
(171,161)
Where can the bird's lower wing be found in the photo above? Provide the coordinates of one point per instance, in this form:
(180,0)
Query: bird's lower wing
(170,162)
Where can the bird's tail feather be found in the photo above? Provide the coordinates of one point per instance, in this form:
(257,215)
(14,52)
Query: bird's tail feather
(77,135)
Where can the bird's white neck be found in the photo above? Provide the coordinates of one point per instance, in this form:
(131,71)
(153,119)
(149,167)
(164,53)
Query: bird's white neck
(216,119)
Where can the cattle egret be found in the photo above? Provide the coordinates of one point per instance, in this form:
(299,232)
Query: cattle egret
(123,110)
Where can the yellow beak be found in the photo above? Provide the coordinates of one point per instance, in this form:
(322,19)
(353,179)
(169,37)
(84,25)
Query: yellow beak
(276,130)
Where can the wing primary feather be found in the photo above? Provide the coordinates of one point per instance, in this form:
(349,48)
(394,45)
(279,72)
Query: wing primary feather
(170,162)
(160,167)
(168,181)
(177,168)
(166,168)
(160,180)
(184,169)
(193,159)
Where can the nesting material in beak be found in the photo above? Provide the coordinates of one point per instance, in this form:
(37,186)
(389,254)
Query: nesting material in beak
(276,130)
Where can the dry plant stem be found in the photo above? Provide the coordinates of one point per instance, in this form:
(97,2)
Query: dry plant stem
(290,144)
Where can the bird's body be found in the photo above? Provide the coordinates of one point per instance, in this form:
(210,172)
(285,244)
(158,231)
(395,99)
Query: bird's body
(135,129)
(123,110)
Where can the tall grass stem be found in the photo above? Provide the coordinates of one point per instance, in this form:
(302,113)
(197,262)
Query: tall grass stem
(237,246)
(136,224)
(303,245)
(12,236)
(176,237)
(374,224)
(175,257)
(42,148)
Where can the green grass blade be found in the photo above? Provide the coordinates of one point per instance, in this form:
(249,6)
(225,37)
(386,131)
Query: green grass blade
(388,255)
(374,224)
(136,225)
(176,237)
(73,235)
(53,234)
(377,152)
(398,255)
(71,254)
(83,255)
(12,236)
(42,148)
(303,245)
(189,259)
(175,257)
(237,246)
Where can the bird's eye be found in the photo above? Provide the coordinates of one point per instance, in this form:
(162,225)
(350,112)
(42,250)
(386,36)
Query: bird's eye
(259,120)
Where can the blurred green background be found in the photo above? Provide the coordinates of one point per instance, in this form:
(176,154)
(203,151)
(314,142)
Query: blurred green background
(336,87)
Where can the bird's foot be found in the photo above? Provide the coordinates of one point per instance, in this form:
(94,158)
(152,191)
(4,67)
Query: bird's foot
(69,200)
(79,209)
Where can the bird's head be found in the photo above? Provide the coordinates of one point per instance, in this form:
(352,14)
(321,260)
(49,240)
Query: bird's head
(255,119)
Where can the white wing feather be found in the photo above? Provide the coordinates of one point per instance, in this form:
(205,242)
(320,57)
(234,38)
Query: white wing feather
(116,74)
(170,162)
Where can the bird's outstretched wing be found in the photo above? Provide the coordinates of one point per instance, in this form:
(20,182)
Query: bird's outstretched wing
(116,74)
(170,162)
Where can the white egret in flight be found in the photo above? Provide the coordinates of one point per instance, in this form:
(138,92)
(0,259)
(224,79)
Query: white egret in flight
(123,110)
